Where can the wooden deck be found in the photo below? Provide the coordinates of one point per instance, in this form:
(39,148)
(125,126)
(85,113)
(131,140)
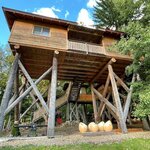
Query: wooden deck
(72,64)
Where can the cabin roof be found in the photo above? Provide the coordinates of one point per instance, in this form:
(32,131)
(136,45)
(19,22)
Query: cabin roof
(12,15)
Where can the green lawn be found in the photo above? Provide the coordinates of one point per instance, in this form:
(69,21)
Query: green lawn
(131,144)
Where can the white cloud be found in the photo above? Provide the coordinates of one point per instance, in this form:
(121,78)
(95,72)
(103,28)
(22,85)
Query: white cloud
(66,14)
(49,12)
(55,9)
(91,3)
(84,18)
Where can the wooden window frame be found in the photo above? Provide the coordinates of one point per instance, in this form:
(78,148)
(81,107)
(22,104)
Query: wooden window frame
(42,27)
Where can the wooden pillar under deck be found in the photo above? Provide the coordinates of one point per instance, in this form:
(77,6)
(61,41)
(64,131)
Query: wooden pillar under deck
(122,121)
(51,115)
(8,90)
(16,91)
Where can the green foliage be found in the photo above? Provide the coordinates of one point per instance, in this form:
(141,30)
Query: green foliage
(137,44)
(141,99)
(131,144)
(15,131)
(115,13)
(5,63)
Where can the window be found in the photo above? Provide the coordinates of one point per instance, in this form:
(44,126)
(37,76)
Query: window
(38,30)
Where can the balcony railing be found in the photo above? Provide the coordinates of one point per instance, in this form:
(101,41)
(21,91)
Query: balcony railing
(85,47)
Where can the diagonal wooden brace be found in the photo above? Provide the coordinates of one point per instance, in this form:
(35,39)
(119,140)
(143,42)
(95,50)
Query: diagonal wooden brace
(102,104)
(113,108)
(26,92)
(33,86)
(128,100)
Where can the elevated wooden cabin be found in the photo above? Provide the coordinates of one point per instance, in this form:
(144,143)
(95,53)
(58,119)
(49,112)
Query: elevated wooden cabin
(76,53)
(83,51)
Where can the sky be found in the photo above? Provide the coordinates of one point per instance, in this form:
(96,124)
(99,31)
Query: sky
(72,10)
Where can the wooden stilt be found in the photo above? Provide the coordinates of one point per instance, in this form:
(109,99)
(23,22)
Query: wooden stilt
(128,100)
(67,111)
(51,115)
(8,90)
(94,104)
(117,100)
(16,91)
(26,92)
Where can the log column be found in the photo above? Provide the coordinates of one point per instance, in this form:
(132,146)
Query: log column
(51,115)
(121,119)
(8,90)
(16,91)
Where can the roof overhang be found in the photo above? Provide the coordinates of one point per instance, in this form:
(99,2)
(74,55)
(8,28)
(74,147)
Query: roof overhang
(12,15)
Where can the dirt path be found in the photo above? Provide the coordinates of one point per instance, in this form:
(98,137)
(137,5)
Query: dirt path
(76,138)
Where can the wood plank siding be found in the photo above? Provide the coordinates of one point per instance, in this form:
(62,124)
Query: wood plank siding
(22,33)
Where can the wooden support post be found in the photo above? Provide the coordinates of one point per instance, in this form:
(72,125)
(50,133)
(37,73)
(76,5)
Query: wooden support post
(26,92)
(113,60)
(128,101)
(51,115)
(77,112)
(8,90)
(117,100)
(16,91)
(94,104)
(67,111)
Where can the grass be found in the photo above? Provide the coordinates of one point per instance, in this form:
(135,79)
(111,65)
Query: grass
(131,144)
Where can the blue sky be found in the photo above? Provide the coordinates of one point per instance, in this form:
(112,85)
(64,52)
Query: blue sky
(73,10)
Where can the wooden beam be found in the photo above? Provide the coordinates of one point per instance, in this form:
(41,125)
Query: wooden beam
(15,96)
(8,90)
(28,109)
(94,104)
(117,100)
(113,60)
(128,100)
(105,100)
(26,92)
(121,83)
(102,104)
(38,106)
(33,86)
(51,115)
(16,91)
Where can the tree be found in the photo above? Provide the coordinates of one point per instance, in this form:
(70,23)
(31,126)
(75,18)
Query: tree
(115,13)
(137,45)
(5,63)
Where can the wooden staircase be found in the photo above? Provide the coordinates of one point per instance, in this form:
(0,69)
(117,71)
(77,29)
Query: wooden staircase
(75,91)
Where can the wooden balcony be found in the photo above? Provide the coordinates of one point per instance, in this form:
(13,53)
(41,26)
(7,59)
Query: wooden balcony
(85,47)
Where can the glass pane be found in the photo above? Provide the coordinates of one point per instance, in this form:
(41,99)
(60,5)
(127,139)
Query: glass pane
(37,30)
(45,31)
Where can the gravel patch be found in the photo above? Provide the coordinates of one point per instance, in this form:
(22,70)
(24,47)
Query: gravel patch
(76,138)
